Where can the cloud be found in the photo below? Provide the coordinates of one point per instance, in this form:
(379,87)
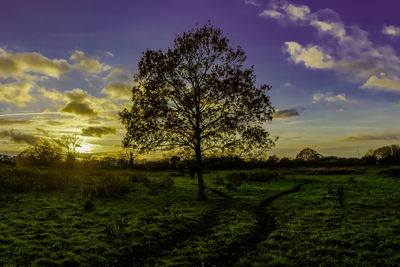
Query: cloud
(16,93)
(120,73)
(80,102)
(384,83)
(252,2)
(333,28)
(361,69)
(271,13)
(288,84)
(12,122)
(391,30)
(98,131)
(311,57)
(18,137)
(348,52)
(118,91)
(286,11)
(79,108)
(296,13)
(88,63)
(18,65)
(330,98)
(44,132)
(54,123)
(52,94)
(369,137)
(286,114)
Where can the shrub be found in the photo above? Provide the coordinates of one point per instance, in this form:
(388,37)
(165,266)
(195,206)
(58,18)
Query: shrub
(219,180)
(21,180)
(262,176)
(333,171)
(111,185)
(392,172)
(88,205)
(340,195)
(43,153)
(138,177)
(235,179)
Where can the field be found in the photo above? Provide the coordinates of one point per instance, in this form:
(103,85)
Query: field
(304,217)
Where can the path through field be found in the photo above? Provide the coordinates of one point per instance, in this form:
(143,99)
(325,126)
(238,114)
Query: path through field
(227,256)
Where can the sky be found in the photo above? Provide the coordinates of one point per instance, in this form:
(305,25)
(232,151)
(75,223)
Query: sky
(66,67)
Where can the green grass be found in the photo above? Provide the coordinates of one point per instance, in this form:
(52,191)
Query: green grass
(47,224)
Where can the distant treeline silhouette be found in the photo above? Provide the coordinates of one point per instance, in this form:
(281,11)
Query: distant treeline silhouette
(46,154)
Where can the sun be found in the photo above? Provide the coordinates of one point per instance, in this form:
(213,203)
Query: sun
(84,148)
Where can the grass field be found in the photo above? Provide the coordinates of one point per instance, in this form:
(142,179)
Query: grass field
(341,216)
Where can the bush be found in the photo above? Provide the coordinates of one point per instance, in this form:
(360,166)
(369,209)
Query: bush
(43,153)
(88,206)
(138,177)
(332,171)
(340,195)
(110,186)
(392,172)
(21,180)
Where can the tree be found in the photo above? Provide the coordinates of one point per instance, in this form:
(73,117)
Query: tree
(197,95)
(69,143)
(385,154)
(308,154)
(43,153)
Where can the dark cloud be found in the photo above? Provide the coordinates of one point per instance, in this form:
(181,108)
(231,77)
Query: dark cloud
(11,122)
(18,137)
(54,123)
(94,122)
(98,131)
(80,108)
(286,113)
(369,137)
(44,132)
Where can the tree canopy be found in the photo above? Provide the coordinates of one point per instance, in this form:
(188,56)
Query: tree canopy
(308,154)
(197,96)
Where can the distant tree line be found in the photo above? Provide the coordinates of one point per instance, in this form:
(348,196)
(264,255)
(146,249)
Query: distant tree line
(50,153)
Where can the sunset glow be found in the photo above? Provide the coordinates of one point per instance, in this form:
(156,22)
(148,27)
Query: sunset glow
(333,67)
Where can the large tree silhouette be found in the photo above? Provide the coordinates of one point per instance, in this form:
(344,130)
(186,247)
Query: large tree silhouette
(197,96)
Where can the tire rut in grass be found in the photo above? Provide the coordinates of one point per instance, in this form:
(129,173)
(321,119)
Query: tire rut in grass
(141,255)
(265,226)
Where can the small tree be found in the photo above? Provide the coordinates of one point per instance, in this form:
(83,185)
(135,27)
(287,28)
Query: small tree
(43,153)
(69,143)
(197,96)
(308,154)
(387,154)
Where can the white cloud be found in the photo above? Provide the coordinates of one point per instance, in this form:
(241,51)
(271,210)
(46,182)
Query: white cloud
(288,84)
(311,57)
(391,30)
(384,83)
(16,93)
(349,52)
(19,65)
(330,98)
(118,91)
(252,2)
(296,13)
(332,28)
(52,94)
(88,63)
(271,13)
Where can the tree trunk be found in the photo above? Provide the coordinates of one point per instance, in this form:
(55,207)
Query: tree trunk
(202,193)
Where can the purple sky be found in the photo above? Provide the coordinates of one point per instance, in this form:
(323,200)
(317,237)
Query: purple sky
(334,66)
